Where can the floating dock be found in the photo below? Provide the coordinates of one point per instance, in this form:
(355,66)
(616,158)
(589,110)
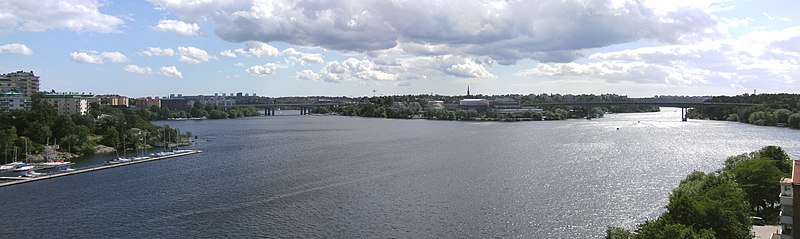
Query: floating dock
(20,180)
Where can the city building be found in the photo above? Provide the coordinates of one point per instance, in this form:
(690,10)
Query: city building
(787,201)
(69,103)
(145,102)
(14,101)
(505,102)
(435,104)
(113,100)
(175,104)
(22,82)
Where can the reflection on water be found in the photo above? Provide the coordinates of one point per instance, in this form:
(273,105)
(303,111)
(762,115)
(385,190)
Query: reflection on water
(326,176)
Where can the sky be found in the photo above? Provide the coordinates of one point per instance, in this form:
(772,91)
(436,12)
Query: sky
(395,47)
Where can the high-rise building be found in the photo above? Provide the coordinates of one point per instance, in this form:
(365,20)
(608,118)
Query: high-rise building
(22,82)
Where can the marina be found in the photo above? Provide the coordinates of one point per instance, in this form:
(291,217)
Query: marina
(36,177)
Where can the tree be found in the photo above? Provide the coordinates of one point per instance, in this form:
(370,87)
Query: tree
(710,201)
(794,121)
(617,233)
(661,229)
(110,138)
(759,179)
(782,115)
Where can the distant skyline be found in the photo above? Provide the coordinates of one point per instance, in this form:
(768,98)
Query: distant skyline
(350,48)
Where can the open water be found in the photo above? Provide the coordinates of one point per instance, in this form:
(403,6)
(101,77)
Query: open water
(349,177)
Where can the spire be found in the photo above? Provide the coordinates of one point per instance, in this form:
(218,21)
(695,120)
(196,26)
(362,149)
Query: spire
(467,90)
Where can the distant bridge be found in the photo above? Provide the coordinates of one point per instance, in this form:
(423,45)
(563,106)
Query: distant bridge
(305,108)
(683,105)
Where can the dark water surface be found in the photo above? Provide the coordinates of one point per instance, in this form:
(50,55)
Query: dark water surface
(329,176)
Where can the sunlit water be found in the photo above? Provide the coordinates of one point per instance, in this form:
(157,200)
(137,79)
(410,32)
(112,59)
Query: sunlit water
(330,176)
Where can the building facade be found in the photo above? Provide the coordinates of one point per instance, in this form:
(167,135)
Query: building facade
(145,103)
(114,100)
(787,201)
(69,103)
(14,101)
(21,81)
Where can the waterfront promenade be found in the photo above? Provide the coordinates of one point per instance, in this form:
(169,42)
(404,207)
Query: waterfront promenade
(20,180)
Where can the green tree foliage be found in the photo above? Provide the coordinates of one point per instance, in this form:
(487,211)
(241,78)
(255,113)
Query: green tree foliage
(759,178)
(775,109)
(794,121)
(661,229)
(710,201)
(618,233)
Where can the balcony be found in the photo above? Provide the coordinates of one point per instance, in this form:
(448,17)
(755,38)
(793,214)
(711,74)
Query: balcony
(786,200)
(786,220)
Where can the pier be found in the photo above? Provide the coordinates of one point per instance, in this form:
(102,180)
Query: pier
(20,180)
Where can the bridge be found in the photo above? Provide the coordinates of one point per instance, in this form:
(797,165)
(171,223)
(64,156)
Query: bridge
(683,105)
(305,108)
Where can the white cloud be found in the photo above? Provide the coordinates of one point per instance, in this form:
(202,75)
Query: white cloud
(296,57)
(115,56)
(258,49)
(307,75)
(228,53)
(171,71)
(94,57)
(266,69)
(351,69)
(155,51)
(15,49)
(505,31)
(41,15)
(765,60)
(238,64)
(138,69)
(179,27)
(193,55)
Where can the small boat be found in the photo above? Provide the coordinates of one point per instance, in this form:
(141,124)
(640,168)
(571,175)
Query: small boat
(31,174)
(66,169)
(11,166)
(56,164)
(24,167)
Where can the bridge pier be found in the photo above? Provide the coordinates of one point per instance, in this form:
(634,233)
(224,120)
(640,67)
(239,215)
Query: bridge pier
(684,114)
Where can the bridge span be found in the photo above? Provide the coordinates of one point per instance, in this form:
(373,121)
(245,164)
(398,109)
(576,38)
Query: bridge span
(305,108)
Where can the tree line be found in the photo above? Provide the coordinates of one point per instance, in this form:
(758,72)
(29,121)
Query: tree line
(413,106)
(776,110)
(719,204)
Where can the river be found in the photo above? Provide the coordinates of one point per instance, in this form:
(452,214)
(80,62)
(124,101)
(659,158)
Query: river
(350,177)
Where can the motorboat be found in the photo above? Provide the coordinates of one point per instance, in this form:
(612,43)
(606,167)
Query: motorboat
(10,166)
(24,167)
(30,174)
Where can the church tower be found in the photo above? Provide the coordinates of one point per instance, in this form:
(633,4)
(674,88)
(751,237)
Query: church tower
(467,90)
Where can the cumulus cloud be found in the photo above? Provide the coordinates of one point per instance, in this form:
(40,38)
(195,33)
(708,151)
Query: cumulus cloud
(138,69)
(350,69)
(155,51)
(228,53)
(755,60)
(307,75)
(266,69)
(170,71)
(506,31)
(296,57)
(179,27)
(257,49)
(193,55)
(41,15)
(15,49)
(94,57)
